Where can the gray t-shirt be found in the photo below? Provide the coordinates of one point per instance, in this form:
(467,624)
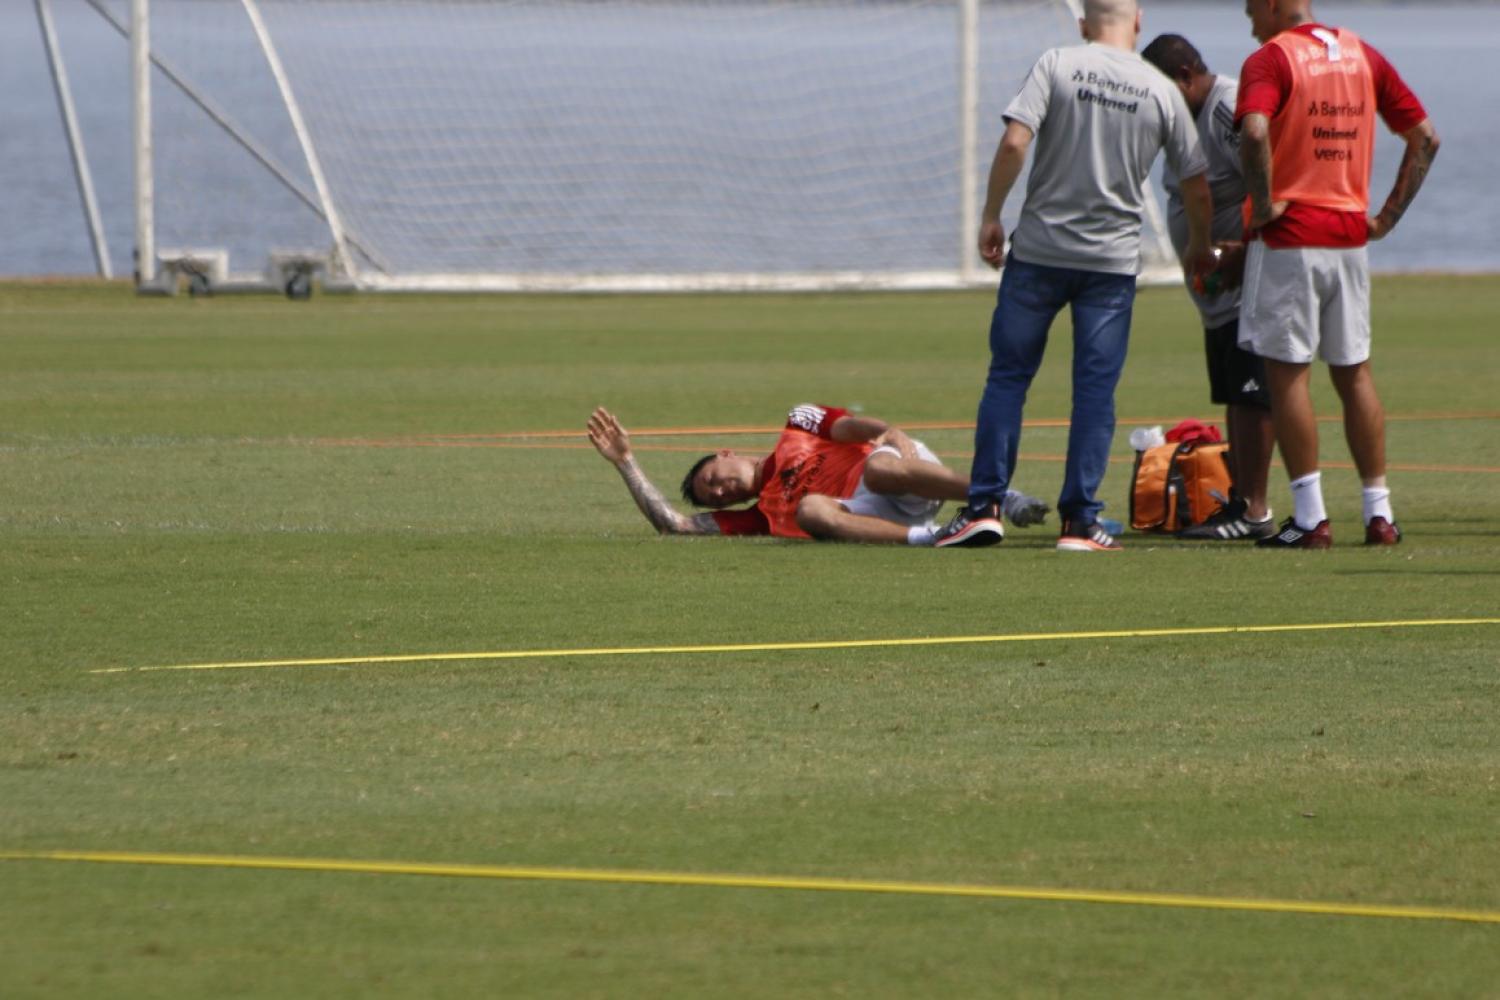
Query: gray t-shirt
(1221,144)
(1100,115)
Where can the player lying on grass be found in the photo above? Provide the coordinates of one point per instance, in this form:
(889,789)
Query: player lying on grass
(833,475)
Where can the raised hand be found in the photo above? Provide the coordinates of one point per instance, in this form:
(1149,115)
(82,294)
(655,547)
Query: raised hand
(608,437)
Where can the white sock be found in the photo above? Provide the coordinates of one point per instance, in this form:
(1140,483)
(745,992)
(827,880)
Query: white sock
(1307,499)
(1378,504)
(922,534)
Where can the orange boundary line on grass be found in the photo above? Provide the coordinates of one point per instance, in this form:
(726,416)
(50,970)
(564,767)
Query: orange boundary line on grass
(784,882)
(454,440)
(558,445)
(765,647)
(575,440)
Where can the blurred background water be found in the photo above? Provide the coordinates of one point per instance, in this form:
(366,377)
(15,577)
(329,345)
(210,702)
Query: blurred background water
(1443,50)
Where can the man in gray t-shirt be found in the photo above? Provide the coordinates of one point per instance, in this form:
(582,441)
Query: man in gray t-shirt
(1099,115)
(1236,377)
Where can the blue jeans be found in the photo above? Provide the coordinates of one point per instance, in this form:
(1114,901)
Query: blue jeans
(1031,296)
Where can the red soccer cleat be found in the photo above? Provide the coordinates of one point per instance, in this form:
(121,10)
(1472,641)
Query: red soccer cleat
(1293,537)
(1382,532)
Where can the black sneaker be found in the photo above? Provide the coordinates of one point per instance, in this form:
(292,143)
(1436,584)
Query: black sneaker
(1079,537)
(1230,524)
(1292,536)
(971,528)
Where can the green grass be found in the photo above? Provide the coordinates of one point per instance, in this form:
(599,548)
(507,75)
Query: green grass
(243,479)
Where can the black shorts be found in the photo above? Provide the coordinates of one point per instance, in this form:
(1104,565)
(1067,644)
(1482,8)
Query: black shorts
(1235,376)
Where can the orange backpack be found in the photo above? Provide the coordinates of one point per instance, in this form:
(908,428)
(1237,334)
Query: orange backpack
(1178,485)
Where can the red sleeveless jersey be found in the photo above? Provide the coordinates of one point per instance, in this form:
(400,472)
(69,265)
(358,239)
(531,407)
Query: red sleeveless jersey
(1279,81)
(1323,138)
(806,460)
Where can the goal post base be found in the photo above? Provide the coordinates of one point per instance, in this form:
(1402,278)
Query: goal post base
(205,271)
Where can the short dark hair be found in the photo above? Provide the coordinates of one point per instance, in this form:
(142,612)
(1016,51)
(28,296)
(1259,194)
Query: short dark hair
(688,493)
(1173,54)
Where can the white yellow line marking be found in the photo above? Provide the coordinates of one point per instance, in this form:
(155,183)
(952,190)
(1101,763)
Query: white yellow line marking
(785,882)
(768,647)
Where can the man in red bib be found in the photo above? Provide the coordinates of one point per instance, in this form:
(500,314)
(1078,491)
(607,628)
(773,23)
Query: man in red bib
(832,475)
(1307,105)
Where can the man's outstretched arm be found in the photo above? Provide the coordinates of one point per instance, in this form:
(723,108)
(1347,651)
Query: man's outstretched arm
(611,441)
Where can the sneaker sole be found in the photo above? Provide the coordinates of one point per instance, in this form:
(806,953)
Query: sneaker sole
(1084,545)
(976,535)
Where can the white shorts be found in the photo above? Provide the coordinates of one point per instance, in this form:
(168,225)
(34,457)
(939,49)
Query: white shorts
(1305,302)
(906,509)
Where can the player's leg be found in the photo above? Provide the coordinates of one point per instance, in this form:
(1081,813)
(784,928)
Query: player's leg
(1297,437)
(1237,381)
(1252,440)
(1101,333)
(889,473)
(1364,418)
(1293,417)
(1247,416)
(918,486)
(1346,348)
(826,519)
(1030,298)
(1280,317)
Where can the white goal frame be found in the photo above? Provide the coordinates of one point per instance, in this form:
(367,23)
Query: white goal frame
(163,270)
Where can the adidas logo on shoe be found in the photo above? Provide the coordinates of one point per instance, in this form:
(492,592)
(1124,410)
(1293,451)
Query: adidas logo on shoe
(1230,523)
(1091,537)
(971,528)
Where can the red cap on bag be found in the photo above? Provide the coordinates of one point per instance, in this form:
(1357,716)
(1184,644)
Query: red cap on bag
(1194,432)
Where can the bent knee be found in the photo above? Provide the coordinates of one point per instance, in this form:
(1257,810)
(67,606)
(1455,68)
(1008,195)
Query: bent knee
(885,473)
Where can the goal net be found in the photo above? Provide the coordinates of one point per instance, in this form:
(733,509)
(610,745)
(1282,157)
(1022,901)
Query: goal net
(586,144)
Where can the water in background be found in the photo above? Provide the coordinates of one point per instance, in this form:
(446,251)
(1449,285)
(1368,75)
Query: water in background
(1441,50)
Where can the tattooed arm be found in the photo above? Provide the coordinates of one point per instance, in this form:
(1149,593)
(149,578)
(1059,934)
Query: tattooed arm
(1421,148)
(613,443)
(1255,164)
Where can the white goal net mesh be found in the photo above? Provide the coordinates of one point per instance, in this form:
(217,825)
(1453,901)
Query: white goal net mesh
(563,143)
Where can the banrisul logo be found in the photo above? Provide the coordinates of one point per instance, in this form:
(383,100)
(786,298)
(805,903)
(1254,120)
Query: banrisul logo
(1106,92)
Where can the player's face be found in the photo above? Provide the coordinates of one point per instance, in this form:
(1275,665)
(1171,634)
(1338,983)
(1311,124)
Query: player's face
(725,480)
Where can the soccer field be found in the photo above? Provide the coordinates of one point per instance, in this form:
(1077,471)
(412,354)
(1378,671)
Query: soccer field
(1123,784)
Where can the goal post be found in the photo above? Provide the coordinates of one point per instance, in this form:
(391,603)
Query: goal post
(575,145)
(145,193)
